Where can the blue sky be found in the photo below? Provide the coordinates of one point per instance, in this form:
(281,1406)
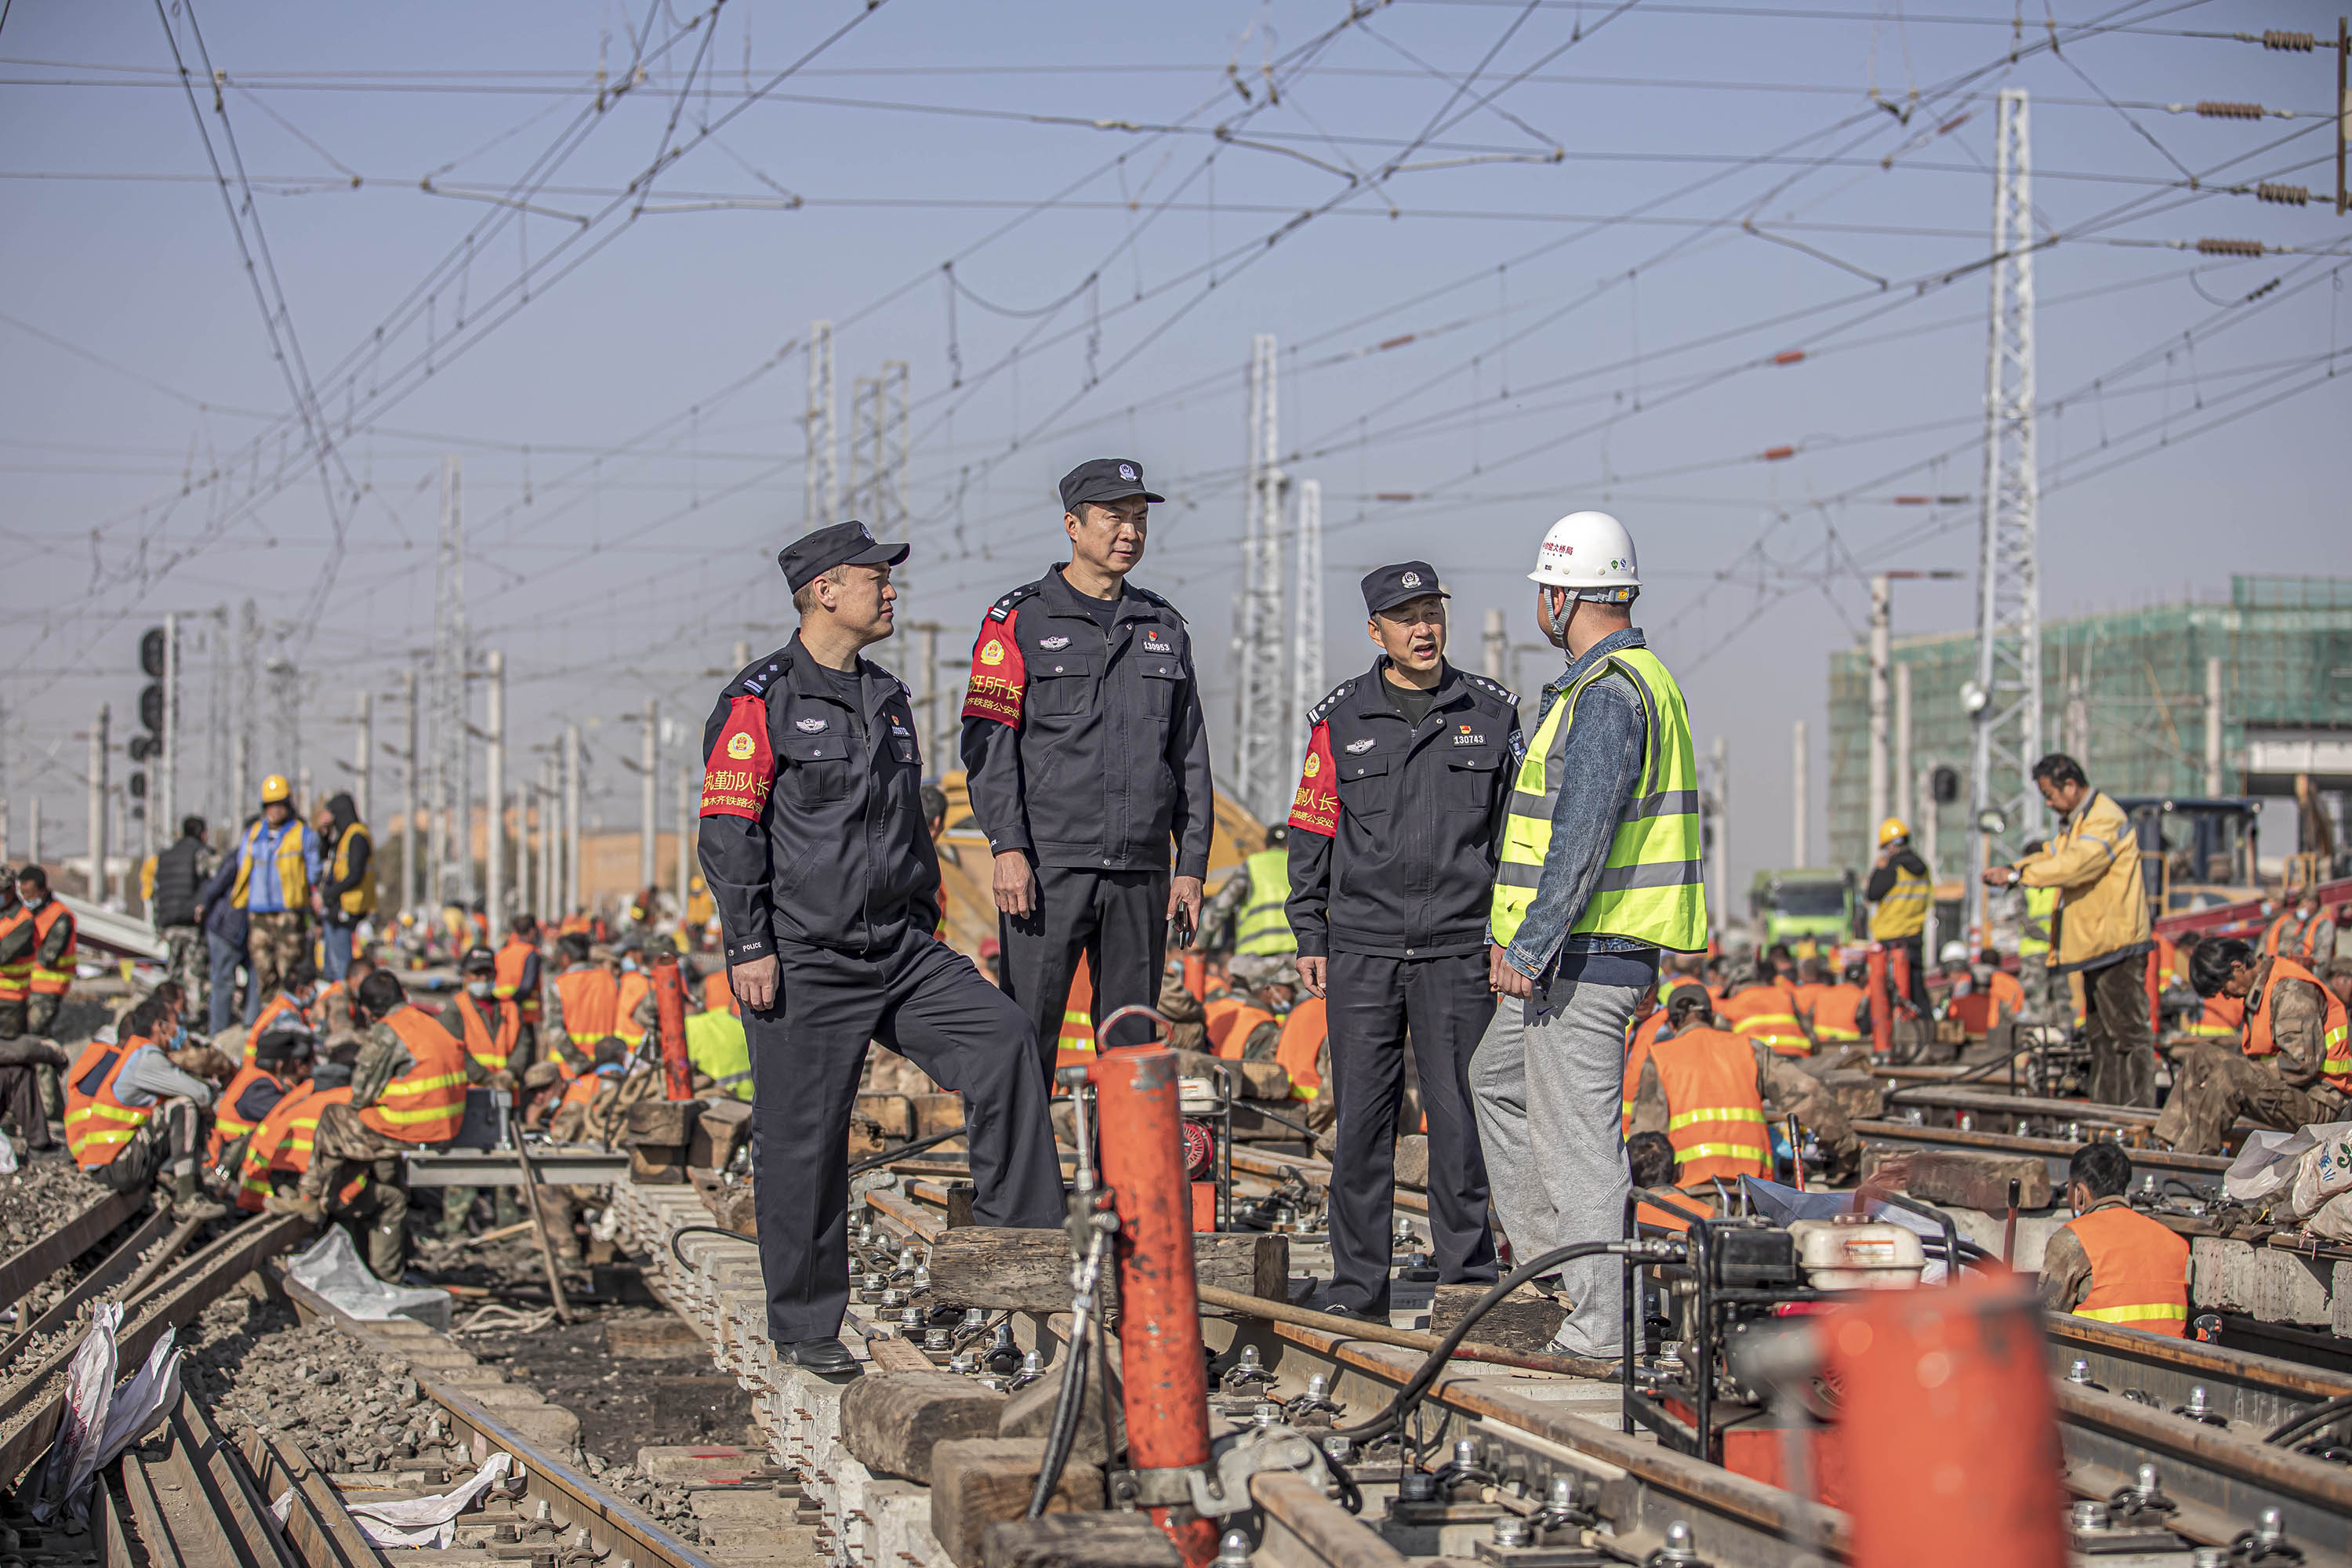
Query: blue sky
(1596,226)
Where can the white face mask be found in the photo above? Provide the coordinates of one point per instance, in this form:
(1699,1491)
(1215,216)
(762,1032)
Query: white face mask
(481,988)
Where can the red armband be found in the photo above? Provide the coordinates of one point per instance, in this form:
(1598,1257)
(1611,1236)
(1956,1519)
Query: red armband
(998,674)
(1316,808)
(742,767)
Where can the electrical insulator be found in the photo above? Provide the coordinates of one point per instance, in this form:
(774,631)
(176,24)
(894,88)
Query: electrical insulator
(2284,196)
(2229,247)
(2296,43)
(1789,356)
(2212,109)
(1774,454)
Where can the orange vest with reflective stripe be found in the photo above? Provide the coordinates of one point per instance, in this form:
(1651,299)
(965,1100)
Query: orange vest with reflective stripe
(1715,1115)
(634,987)
(591,1002)
(53,981)
(1834,1010)
(96,1124)
(1302,1044)
(1645,1034)
(1765,1014)
(16,978)
(2139,1271)
(1240,1025)
(1217,1017)
(227,1125)
(2335,1065)
(490,1049)
(427,1103)
(1077,1031)
(2223,1017)
(719,996)
(512,959)
(281,1146)
(1651,1213)
(277,1008)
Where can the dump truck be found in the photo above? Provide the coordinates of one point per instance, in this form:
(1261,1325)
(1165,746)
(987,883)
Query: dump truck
(1805,907)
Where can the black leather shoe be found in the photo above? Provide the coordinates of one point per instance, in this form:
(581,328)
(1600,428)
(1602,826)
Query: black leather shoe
(1350,1314)
(826,1358)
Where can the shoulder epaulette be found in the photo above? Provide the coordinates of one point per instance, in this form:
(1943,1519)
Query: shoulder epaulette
(1493,689)
(1148,595)
(1316,715)
(1003,607)
(760,674)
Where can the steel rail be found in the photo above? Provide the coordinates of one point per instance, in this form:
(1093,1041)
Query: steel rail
(2205,1169)
(117,1267)
(35,1263)
(194,1504)
(2258,1391)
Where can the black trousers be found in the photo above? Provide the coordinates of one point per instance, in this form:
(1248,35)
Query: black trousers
(1118,919)
(1371,1002)
(925,1001)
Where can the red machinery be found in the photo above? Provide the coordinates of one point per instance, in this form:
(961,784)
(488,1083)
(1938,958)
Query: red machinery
(669,1012)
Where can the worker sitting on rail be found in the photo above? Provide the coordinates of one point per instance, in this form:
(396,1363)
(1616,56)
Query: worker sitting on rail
(1705,1089)
(408,1093)
(492,1026)
(114,1091)
(22,1056)
(280,1059)
(2305,934)
(2295,1067)
(1650,1162)
(280,1148)
(2110,1262)
(332,1013)
(584,1005)
(1759,1008)
(1838,1005)
(289,1006)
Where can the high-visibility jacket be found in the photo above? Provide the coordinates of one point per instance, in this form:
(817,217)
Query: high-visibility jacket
(716,1045)
(1637,1051)
(232,1118)
(514,961)
(279,1005)
(573,925)
(1077,1031)
(44,981)
(281,1146)
(354,902)
(2222,1017)
(1765,1014)
(2008,996)
(2286,931)
(1240,1025)
(1262,926)
(635,987)
(2034,936)
(2335,1065)
(2139,1271)
(1715,1113)
(1302,1044)
(718,995)
(591,1000)
(1835,1010)
(1805,994)
(1651,1213)
(293,867)
(582,1091)
(1902,912)
(16,977)
(96,1124)
(490,1042)
(426,1104)
(1649,887)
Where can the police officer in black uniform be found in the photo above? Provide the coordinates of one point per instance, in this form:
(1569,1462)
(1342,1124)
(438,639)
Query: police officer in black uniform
(1394,833)
(1086,755)
(828,890)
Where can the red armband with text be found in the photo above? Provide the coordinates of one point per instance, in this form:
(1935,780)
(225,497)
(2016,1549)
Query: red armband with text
(742,767)
(1316,808)
(999,678)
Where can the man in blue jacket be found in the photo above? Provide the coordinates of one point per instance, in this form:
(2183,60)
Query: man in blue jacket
(224,928)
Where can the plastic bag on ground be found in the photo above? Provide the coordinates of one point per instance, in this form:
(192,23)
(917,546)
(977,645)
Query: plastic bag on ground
(137,1405)
(428,1520)
(2265,1165)
(90,1396)
(2326,1168)
(333,1268)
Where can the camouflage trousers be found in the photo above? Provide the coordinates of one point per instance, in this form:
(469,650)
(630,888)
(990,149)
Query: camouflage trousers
(2213,1086)
(345,1142)
(272,942)
(185,961)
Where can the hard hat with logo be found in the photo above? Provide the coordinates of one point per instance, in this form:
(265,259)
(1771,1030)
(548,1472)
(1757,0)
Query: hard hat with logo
(1590,554)
(274,789)
(1890,829)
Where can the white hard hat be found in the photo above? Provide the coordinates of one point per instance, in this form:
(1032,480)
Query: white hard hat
(1954,953)
(1590,552)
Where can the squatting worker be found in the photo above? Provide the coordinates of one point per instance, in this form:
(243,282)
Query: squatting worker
(2103,929)
(1393,845)
(2291,1067)
(2110,1262)
(828,891)
(1086,755)
(1599,870)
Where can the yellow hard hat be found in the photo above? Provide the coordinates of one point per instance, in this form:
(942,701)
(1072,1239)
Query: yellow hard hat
(1893,828)
(274,789)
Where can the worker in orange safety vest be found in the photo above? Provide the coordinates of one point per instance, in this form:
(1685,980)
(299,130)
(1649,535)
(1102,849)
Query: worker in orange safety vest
(1706,1088)
(2110,1262)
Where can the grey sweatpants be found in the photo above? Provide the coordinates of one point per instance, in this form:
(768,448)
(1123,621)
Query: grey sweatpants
(1547,1093)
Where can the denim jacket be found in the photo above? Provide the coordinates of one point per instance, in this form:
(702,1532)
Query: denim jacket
(1599,772)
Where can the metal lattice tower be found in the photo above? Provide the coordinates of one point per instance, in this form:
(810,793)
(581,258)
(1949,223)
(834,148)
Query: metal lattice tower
(450,858)
(1307,627)
(1261,737)
(821,473)
(2005,696)
(879,452)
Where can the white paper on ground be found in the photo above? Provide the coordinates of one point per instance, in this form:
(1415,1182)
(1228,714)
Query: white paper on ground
(428,1520)
(333,1268)
(138,1404)
(7,1156)
(89,1394)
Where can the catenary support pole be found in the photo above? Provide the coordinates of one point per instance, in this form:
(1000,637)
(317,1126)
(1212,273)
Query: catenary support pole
(572,879)
(411,874)
(494,897)
(97,846)
(648,822)
(2214,724)
(1800,805)
(1881,594)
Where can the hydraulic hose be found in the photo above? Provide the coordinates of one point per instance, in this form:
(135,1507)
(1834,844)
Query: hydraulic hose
(686,1230)
(1070,1405)
(2296,1428)
(1418,1386)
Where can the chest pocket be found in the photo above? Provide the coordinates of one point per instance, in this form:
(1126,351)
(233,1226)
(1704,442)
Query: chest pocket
(1470,777)
(1162,677)
(1060,683)
(820,768)
(1364,784)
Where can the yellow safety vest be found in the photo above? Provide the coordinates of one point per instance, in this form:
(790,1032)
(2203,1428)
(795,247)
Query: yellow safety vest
(1902,912)
(293,871)
(1650,887)
(716,1043)
(360,900)
(1264,928)
(2041,904)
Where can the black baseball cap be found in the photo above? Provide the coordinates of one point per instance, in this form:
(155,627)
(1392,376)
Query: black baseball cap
(478,958)
(812,555)
(1386,587)
(1105,479)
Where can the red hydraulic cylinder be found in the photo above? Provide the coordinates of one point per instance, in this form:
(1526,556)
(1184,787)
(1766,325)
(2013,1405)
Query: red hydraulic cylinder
(2155,1000)
(1882,1021)
(1196,977)
(669,1014)
(1166,1395)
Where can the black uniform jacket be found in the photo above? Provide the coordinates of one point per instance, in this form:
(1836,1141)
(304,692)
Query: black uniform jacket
(1396,828)
(811,817)
(1087,747)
